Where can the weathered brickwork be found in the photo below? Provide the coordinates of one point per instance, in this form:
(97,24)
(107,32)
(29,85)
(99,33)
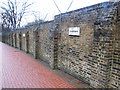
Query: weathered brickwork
(14,40)
(93,56)
(102,47)
(37,40)
(45,44)
(23,44)
(30,43)
(73,51)
(19,40)
(88,56)
(10,40)
(115,68)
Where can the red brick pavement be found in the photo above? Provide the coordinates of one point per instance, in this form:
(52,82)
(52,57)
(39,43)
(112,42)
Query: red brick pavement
(20,70)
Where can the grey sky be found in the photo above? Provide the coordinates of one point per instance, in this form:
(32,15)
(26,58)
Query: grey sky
(48,6)
(43,7)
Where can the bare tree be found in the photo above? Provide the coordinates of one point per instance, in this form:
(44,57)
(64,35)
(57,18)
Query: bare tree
(12,14)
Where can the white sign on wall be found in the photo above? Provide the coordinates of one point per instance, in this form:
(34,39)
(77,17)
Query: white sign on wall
(74,31)
(23,35)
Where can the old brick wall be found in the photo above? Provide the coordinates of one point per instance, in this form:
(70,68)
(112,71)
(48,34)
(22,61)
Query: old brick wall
(101,57)
(11,39)
(115,68)
(89,57)
(44,42)
(38,41)
(31,43)
(73,51)
(14,40)
(93,57)
(106,49)
(18,40)
(23,46)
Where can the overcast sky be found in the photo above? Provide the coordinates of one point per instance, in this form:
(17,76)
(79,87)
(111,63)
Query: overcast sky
(47,7)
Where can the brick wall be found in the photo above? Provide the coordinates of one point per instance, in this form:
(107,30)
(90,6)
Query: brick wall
(115,68)
(45,43)
(90,56)
(30,42)
(73,51)
(18,40)
(37,40)
(93,56)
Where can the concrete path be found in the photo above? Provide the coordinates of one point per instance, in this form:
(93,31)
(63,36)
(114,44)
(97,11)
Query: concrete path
(20,70)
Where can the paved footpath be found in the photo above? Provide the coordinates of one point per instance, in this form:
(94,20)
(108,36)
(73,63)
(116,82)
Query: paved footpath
(20,70)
